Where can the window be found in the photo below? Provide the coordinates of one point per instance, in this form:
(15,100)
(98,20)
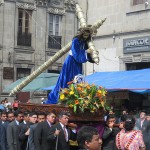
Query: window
(24,27)
(137,66)
(23,72)
(54,39)
(133,6)
(136,2)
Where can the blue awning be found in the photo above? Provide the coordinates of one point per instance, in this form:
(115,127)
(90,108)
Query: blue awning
(135,80)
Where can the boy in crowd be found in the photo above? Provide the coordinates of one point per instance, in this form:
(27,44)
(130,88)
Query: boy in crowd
(88,138)
(109,134)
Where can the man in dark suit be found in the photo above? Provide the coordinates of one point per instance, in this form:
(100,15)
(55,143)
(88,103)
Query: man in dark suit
(10,118)
(24,126)
(33,124)
(59,134)
(34,118)
(109,134)
(41,132)
(143,124)
(13,130)
(2,137)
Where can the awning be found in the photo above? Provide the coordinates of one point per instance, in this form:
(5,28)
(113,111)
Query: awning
(40,82)
(135,80)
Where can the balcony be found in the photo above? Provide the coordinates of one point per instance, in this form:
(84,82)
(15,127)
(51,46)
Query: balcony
(24,39)
(54,42)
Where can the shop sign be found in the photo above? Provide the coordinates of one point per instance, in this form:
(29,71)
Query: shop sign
(139,44)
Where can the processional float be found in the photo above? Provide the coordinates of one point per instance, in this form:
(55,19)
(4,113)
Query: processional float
(64,50)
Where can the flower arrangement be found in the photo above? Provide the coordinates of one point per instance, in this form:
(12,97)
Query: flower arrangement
(81,96)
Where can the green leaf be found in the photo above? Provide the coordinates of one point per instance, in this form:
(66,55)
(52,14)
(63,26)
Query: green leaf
(75,108)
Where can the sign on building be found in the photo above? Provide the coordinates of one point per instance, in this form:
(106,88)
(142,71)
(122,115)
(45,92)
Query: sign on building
(138,44)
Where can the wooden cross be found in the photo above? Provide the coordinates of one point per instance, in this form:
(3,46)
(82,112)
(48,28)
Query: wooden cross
(64,50)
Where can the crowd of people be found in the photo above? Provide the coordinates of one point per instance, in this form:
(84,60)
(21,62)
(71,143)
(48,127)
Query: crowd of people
(131,132)
(32,131)
(40,131)
(5,105)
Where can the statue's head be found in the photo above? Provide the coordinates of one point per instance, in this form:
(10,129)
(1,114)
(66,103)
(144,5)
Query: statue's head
(85,33)
(87,28)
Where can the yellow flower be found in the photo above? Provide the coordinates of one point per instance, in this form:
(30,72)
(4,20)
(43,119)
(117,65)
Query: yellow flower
(71,92)
(92,111)
(86,101)
(99,91)
(104,93)
(94,108)
(102,103)
(80,84)
(70,105)
(62,97)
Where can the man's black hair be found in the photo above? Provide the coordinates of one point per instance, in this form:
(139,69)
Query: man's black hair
(66,113)
(17,112)
(3,113)
(143,111)
(111,116)
(41,113)
(26,113)
(32,113)
(123,118)
(49,113)
(10,112)
(85,133)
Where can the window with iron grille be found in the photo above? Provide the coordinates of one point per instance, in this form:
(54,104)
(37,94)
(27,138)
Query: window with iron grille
(137,2)
(24,27)
(54,38)
(22,72)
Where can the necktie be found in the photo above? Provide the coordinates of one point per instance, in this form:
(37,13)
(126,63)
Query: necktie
(65,133)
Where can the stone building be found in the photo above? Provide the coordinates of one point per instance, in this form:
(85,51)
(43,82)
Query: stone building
(123,41)
(31,31)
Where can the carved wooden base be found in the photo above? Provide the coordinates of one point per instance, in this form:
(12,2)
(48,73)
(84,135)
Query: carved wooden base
(76,117)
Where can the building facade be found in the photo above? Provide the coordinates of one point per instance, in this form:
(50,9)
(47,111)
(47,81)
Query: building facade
(127,25)
(32,31)
(123,41)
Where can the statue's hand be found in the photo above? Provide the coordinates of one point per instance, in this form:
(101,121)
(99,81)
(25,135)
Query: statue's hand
(89,50)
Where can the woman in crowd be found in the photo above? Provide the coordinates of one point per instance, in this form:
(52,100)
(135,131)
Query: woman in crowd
(128,138)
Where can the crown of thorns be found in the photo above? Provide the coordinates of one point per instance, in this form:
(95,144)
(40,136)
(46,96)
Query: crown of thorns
(86,28)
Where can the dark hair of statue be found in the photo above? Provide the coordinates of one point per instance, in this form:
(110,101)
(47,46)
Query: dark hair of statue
(80,35)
